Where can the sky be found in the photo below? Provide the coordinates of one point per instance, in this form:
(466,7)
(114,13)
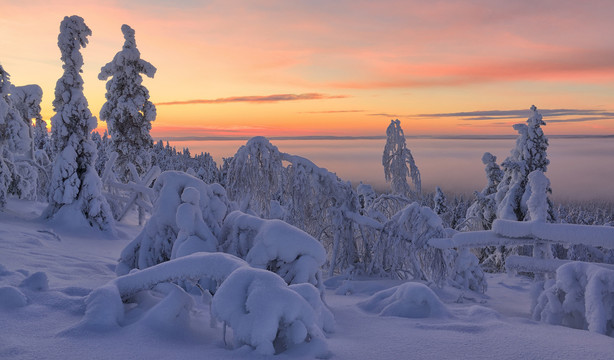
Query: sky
(337,68)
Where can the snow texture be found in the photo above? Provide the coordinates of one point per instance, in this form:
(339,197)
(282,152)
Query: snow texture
(582,297)
(410,300)
(274,245)
(155,242)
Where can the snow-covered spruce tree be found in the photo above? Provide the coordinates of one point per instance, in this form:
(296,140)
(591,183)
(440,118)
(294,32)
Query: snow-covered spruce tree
(128,111)
(483,211)
(13,139)
(13,130)
(74,182)
(528,155)
(396,158)
(27,100)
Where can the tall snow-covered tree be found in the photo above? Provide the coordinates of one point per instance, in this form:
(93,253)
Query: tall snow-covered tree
(13,130)
(396,159)
(128,111)
(528,155)
(27,100)
(74,182)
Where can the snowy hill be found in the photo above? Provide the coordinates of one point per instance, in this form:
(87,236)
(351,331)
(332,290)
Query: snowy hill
(48,269)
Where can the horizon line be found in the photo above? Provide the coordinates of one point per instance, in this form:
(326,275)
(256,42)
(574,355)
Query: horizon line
(374,137)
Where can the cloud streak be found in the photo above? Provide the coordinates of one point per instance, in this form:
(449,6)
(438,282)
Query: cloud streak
(331,111)
(550,115)
(256,99)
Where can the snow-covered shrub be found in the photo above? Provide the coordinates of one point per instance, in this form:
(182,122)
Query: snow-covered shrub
(253,176)
(27,185)
(104,308)
(467,273)
(128,111)
(410,300)
(582,297)
(5,180)
(403,249)
(265,313)
(396,159)
(274,245)
(194,235)
(321,204)
(155,242)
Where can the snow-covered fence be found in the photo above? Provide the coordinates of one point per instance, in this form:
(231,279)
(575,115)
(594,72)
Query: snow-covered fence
(537,233)
(136,192)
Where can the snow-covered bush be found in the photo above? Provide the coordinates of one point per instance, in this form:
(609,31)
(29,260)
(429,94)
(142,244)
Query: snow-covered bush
(260,308)
(155,242)
(467,273)
(194,235)
(253,176)
(265,313)
(104,308)
(403,251)
(128,111)
(274,245)
(396,159)
(410,300)
(582,297)
(75,188)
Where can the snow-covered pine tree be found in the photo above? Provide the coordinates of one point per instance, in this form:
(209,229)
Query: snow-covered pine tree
(27,100)
(528,155)
(13,130)
(440,201)
(396,159)
(128,111)
(74,182)
(483,211)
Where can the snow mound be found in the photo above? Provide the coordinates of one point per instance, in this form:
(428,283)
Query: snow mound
(274,245)
(410,300)
(11,297)
(264,312)
(582,297)
(154,244)
(37,282)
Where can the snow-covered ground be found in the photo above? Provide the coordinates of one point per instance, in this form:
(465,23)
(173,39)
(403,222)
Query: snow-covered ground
(39,316)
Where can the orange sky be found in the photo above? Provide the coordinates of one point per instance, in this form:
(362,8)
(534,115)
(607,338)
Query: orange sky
(226,68)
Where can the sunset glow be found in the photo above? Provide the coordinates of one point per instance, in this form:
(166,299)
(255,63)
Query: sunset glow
(342,68)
